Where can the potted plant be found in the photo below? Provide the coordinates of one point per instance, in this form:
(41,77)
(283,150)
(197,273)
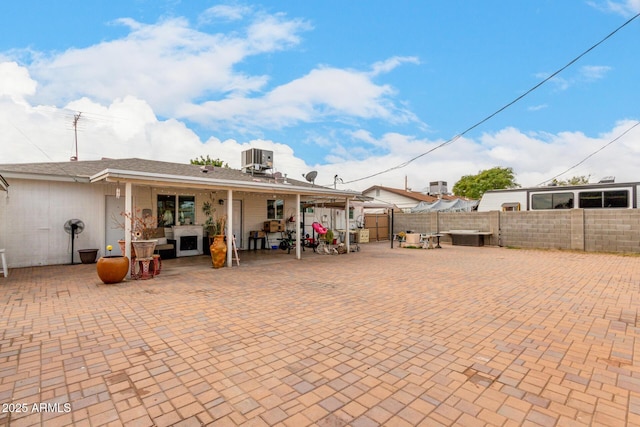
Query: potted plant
(112,268)
(218,247)
(329,236)
(142,228)
(208,210)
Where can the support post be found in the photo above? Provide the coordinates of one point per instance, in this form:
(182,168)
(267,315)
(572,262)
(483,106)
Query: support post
(229,228)
(128,208)
(346,221)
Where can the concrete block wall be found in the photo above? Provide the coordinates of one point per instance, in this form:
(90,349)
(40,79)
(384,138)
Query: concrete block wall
(542,229)
(575,229)
(612,230)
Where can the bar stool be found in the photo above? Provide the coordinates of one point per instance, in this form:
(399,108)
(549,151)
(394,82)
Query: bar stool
(5,269)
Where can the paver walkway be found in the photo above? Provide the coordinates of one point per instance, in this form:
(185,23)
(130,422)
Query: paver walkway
(396,337)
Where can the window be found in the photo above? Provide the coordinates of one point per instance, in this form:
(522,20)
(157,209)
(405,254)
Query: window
(176,210)
(510,207)
(552,201)
(187,210)
(166,210)
(275,209)
(604,199)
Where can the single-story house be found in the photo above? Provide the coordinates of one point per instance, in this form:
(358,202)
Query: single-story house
(441,205)
(42,197)
(403,199)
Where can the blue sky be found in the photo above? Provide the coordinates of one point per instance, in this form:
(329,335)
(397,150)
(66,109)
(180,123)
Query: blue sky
(346,88)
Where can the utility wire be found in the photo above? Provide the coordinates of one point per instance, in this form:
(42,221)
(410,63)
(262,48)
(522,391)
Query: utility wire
(487,118)
(592,154)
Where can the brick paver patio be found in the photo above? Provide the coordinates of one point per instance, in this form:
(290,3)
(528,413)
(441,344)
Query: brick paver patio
(459,336)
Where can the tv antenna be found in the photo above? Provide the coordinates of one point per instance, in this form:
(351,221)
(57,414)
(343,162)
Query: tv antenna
(76,119)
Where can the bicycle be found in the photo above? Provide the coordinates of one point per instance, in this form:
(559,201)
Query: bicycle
(287,243)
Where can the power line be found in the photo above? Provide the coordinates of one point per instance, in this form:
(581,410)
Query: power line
(593,154)
(487,118)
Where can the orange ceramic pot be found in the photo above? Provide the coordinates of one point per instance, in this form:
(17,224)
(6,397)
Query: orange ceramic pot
(112,269)
(218,251)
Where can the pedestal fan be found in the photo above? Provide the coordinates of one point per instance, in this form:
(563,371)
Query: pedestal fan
(73,227)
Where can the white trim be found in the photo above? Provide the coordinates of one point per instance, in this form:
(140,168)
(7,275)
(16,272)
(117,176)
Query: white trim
(255,186)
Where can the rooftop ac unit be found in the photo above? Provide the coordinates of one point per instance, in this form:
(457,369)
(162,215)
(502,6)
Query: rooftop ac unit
(257,160)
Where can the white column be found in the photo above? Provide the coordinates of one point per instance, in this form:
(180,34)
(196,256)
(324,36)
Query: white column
(229,228)
(297,222)
(128,208)
(346,222)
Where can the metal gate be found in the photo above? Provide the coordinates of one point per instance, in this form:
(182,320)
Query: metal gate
(378,225)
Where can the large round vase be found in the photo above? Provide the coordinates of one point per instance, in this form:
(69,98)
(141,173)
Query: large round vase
(112,269)
(218,252)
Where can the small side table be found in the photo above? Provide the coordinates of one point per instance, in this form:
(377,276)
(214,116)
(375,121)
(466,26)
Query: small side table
(255,242)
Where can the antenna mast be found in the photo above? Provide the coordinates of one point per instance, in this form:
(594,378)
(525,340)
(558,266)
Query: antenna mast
(76,119)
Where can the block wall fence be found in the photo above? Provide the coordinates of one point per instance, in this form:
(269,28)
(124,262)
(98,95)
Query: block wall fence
(592,230)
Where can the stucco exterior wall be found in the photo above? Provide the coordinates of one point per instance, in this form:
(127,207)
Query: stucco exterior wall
(34,214)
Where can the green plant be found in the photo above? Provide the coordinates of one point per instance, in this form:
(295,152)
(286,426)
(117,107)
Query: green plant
(329,236)
(214,224)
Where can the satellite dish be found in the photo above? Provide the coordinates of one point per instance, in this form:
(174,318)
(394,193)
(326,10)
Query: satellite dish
(73,227)
(311,176)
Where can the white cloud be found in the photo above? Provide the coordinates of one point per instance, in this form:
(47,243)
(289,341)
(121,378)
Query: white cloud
(323,92)
(392,63)
(166,64)
(626,8)
(224,12)
(537,107)
(15,82)
(594,72)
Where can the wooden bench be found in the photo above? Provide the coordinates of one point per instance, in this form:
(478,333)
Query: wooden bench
(467,237)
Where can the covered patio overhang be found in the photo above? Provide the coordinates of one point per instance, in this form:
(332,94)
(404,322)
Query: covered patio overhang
(303,193)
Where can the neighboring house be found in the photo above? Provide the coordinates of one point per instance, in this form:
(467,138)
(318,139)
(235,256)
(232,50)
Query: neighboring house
(402,199)
(43,196)
(441,205)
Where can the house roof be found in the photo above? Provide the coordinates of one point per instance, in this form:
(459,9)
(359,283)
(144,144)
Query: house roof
(456,205)
(419,197)
(155,172)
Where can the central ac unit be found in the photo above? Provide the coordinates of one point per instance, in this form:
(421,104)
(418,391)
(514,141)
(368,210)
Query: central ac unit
(257,160)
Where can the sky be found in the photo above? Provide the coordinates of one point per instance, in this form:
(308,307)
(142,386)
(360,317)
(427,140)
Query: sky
(369,93)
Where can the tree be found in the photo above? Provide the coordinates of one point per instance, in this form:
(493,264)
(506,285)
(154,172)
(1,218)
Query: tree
(209,161)
(474,186)
(576,180)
